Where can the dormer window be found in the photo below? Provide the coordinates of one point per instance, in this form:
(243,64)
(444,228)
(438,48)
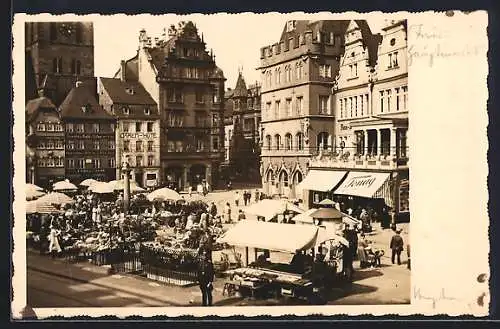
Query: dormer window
(86,108)
(126,110)
(130,90)
(290,26)
(147,111)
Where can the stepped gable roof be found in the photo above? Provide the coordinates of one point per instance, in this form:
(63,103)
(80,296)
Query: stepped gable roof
(371,40)
(127,92)
(131,69)
(81,103)
(241,88)
(34,105)
(302,26)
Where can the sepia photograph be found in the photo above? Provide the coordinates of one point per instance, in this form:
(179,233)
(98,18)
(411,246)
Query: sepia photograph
(192,161)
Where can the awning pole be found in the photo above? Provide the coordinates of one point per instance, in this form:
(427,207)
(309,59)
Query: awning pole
(246,256)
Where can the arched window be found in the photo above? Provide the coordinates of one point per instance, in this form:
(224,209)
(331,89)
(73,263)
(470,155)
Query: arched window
(270,177)
(277,141)
(299,141)
(288,142)
(322,141)
(297,178)
(284,178)
(268,142)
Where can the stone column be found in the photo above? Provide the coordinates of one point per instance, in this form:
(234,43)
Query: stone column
(365,137)
(208,174)
(185,176)
(394,136)
(379,141)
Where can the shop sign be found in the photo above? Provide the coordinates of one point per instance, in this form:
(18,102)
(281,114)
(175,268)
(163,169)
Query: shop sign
(344,127)
(360,182)
(138,135)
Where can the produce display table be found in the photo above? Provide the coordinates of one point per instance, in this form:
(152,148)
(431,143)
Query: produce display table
(274,282)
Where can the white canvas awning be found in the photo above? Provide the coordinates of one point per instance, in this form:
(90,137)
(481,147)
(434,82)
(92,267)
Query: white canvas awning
(321,180)
(272,236)
(269,208)
(363,184)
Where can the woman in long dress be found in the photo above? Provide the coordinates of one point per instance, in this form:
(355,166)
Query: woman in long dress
(54,246)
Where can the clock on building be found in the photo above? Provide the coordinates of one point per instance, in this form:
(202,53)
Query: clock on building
(67,29)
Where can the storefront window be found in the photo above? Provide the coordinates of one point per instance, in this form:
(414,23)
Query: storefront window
(404,196)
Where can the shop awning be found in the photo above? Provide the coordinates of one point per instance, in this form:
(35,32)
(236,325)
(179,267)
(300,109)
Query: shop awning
(321,180)
(272,236)
(363,184)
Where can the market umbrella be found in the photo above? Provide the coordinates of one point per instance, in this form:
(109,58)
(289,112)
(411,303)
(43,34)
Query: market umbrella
(55,198)
(30,186)
(164,194)
(33,192)
(268,208)
(118,185)
(33,207)
(328,233)
(326,213)
(101,188)
(88,182)
(327,202)
(64,185)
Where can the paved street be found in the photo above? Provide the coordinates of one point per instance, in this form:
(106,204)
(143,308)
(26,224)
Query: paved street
(56,283)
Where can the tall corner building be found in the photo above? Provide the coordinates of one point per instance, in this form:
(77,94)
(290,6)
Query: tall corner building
(182,77)
(58,54)
(297,74)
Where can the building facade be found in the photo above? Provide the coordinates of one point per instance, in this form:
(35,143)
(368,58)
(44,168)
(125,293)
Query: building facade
(371,104)
(44,142)
(183,79)
(137,129)
(297,75)
(242,138)
(89,136)
(59,54)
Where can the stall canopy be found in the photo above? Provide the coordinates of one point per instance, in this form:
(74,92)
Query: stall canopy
(64,185)
(321,180)
(267,235)
(306,218)
(268,208)
(363,184)
(164,194)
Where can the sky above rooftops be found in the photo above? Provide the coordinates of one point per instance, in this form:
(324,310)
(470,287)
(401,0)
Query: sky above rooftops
(236,39)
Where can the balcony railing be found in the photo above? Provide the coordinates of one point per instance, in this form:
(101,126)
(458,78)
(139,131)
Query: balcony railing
(349,158)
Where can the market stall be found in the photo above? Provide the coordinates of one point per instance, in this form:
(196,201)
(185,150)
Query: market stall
(270,209)
(303,277)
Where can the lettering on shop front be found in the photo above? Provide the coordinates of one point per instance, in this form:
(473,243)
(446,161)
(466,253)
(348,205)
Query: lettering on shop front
(139,135)
(344,127)
(360,181)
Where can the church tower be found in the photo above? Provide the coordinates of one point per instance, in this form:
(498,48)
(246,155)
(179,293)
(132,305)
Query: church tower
(61,53)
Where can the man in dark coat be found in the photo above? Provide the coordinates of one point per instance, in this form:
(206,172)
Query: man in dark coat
(206,277)
(397,246)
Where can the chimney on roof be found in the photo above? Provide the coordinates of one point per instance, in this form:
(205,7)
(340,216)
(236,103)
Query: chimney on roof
(143,38)
(123,70)
(78,83)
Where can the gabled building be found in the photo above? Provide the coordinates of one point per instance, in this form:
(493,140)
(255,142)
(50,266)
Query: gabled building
(242,138)
(89,136)
(370,161)
(137,136)
(44,142)
(184,80)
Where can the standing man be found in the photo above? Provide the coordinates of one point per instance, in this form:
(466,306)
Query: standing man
(206,277)
(397,246)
